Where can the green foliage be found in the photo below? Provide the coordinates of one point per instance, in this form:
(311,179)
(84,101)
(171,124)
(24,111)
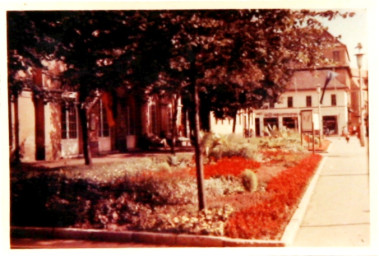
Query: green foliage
(240,58)
(131,198)
(154,200)
(223,185)
(219,146)
(250,180)
(109,172)
(284,139)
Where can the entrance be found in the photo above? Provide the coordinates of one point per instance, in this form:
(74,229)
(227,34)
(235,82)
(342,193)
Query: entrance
(330,125)
(273,122)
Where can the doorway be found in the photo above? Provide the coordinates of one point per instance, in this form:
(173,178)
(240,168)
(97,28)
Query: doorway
(330,125)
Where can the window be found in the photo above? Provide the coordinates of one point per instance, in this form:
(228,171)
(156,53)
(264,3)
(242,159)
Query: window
(290,122)
(273,123)
(309,101)
(336,56)
(290,102)
(69,122)
(103,121)
(333,100)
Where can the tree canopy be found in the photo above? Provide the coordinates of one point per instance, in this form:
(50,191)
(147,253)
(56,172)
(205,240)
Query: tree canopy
(229,59)
(241,57)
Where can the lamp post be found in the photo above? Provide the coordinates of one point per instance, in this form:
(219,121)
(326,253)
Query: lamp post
(361,110)
(319,113)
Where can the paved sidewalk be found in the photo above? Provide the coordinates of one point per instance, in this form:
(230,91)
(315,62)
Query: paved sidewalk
(338,213)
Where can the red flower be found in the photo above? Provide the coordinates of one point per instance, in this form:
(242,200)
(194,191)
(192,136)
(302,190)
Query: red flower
(268,218)
(228,166)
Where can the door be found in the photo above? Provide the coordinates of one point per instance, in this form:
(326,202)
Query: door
(330,125)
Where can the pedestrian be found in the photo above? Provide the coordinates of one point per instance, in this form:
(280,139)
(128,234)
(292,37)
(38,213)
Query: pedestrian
(345,133)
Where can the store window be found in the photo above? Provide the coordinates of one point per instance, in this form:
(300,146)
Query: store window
(271,122)
(290,122)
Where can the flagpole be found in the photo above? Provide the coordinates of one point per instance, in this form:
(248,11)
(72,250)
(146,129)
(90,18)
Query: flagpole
(362,134)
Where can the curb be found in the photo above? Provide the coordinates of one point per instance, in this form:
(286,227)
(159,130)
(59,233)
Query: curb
(297,218)
(184,240)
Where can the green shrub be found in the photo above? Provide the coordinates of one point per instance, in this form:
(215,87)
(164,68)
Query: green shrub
(223,185)
(250,180)
(284,140)
(219,146)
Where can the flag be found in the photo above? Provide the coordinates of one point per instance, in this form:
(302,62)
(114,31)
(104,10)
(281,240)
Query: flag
(107,102)
(329,77)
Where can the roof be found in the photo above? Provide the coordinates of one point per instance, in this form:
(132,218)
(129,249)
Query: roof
(310,80)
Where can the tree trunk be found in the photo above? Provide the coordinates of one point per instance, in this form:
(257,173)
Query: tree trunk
(83,118)
(85,142)
(84,110)
(196,130)
(198,155)
(173,127)
(234,122)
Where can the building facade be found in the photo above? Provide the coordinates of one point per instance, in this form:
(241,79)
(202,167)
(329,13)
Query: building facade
(50,130)
(304,93)
(337,105)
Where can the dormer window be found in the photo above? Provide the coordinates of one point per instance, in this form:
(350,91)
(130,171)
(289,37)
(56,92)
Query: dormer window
(336,56)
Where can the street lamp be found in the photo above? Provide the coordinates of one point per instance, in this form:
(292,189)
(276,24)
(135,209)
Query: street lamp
(361,110)
(319,113)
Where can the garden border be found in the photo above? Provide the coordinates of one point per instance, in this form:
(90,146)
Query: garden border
(297,218)
(171,239)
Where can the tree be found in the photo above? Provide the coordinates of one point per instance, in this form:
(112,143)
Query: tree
(266,46)
(217,60)
(101,50)
(238,59)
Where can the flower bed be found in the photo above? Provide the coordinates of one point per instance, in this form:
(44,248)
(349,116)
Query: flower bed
(267,219)
(165,199)
(233,166)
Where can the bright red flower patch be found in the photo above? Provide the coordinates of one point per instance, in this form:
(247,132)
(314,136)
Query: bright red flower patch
(228,166)
(267,219)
